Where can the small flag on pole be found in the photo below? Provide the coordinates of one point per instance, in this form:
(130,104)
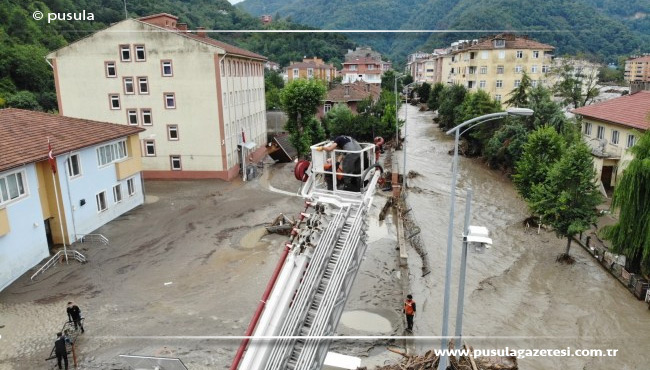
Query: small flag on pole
(50,156)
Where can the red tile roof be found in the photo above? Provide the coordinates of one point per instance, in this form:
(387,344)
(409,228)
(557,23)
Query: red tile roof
(24,135)
(645,58)
(362,61)
(629,110)
(512,42)
(357,92)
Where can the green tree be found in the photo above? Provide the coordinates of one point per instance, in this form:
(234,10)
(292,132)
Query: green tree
(23,100)
(424,91)
(543,148)
(434,97)
(568,197)
(340,120)
(506,145)
(452,96)
(519,95)
(575,85)
(300,100)
(476,104)
(388,81)
(408,79)
(631,234)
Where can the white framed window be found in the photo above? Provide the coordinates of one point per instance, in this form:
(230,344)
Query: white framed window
(631,140)
(147,118)
(533,83)
(111,70)
(140,54)
(167,70)
(520,54)
(143,85)
(296,73)
(172,132)
(101,202)
(170,100)
(117,193)
(149,148)
(114,101)
(497,97)
(481,84)
(130,186)
(545,69)
(588,128)
(353,67)
(73,163)
(533,69)
(535,54)
(483,70)
(128,85)
(499,43)
(175,162)
(502,54)
(484,54)
(615,137)
(517,83)
(499,84)
(518,69)
(310,73)
(132,116)
(600,134)
(110,153)
(125,53)
(500,70)
(12,187)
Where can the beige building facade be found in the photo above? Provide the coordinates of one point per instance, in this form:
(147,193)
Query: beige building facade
(637,69)
(496,64)
(195,97)
(311,68)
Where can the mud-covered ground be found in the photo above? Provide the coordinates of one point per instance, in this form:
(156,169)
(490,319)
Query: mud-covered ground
(182,273)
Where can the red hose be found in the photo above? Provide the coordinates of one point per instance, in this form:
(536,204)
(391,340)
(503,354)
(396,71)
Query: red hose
(260,308)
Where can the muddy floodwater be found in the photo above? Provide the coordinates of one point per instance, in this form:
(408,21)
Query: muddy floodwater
(516,294)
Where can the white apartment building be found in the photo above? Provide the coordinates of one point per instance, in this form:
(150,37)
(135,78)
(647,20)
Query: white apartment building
(196,97)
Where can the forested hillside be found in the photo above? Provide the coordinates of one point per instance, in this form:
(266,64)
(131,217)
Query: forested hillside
(602,29)
(26,79)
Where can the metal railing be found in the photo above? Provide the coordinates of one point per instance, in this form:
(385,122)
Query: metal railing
(92,238)
(59,257)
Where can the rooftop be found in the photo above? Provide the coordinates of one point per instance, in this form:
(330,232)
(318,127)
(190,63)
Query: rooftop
(357,91)
(511,42)
(25,133)
(629,110)
(645,58)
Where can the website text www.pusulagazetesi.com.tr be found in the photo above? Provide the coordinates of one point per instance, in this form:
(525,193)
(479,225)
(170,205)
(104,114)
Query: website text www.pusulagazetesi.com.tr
(523,353)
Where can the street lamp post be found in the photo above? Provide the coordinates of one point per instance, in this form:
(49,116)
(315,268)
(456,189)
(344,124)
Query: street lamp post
(442,365)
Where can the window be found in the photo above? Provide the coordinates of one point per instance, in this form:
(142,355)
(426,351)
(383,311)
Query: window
(601,132)
(128,85)
(175,161)
(149,148)
(132,116)
(497,97)
(499,43)
(533,69)
(74,165)
(143,85)
(114,100)
(117,193)
(500,70)
(353,67)
(130,186)
(472,70)
(140,55)
(101,201)
(146,117)
(166,68)
(535,54)
(499,84)
(588,128)
(125,53)
(545,69)
(327,108)
(483,70)
(484,54)
(12,187)
(615,137)
(111,153)
(533,83)
(520,54)
(172,132)
(170,100)
(481,84)
(517,83)
(518,69)
(502,54)
(296,73)
(631,140)
(111,71)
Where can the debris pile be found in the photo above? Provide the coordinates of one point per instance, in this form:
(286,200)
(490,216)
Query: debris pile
(281,225)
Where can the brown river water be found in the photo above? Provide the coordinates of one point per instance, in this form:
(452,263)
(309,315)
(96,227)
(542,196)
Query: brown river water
(516,295)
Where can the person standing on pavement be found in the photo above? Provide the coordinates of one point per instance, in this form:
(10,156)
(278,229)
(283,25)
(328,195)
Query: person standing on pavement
(409,311)
(74,315)
(60,349)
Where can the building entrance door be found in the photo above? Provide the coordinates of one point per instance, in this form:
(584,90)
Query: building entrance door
(606,177)
(48,234)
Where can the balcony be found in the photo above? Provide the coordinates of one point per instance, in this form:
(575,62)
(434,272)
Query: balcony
(128,167)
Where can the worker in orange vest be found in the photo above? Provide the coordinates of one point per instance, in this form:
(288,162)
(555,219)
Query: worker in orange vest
(409,311)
